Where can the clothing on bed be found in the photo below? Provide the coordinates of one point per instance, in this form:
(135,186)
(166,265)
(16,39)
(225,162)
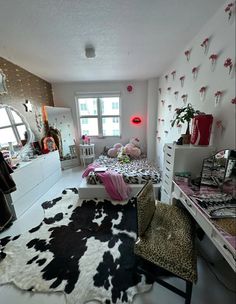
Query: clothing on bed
(112,181)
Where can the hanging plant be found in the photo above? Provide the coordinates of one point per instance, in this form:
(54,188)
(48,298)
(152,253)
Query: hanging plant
(163,102)
(205,45)
(159,90)
(229,10)
(169,89)
(195,72)
(184,97)
(202,92)
(166,77)
(183,115)
(218,96)
(159,138)
(173,74)
(233,101)
(182,78)
(166,132)
(169,107)
(213,59)
(159,119)
(228,64)
(187,54)
(176,93)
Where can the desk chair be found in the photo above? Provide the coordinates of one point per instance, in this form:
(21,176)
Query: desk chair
(166,241)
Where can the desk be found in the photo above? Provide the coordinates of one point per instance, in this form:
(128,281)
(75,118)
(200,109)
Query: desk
(224,242)
(86,152)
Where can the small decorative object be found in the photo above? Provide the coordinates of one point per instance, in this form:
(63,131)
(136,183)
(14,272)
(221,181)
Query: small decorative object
(166,77)
(159,90)
(218,96)
(166,132)
(129,88)
(159,119)
(169,89)
(201,129)
(205,45)
(169,107)
(48,144)
(176,94)
(136,120)
(39,121)
(195,72)
(159,138)
(182,115)
(173,74)
(184,97)
(28,106)
(182,78)
(219,125)
(228,64)
(187,54)
(213,59)
(163,102)
(85,140)
(229,10)
(162,119)
(233,101)
(202,92)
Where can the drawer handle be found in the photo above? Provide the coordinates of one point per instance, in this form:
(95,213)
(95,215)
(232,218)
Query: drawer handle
(168,162)
(226,248)
(168,154)
(187,202)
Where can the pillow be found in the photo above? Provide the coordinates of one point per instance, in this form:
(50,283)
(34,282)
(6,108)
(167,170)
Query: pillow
(145,207)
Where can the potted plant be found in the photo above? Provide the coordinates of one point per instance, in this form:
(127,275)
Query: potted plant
(183,115)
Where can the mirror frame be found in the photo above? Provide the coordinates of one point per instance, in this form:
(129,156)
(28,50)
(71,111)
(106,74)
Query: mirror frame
(3,83)
(30,138)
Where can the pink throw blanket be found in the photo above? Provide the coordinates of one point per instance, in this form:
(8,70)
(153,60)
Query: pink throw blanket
(113,183)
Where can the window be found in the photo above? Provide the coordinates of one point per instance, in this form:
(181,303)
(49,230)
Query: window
(99,116)
(12,127)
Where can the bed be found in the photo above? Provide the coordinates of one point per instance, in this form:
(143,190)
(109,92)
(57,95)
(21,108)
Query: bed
(137,171)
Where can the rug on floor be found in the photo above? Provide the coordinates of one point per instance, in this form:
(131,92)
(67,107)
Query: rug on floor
(83,248)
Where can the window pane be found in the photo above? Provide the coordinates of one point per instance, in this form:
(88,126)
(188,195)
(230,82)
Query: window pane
(90,128)
(4,119)
(16,117)
(111,126)
(110,105)
(7,135)
(88,106)
(21,130)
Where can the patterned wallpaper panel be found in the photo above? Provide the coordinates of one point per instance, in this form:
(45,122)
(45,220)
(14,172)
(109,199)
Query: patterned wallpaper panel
(21,86)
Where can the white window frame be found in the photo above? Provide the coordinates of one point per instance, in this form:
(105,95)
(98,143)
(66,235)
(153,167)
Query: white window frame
(13,125)
(99,116)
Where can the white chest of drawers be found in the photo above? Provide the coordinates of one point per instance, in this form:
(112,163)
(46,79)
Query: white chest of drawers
(178,159)
(33,179)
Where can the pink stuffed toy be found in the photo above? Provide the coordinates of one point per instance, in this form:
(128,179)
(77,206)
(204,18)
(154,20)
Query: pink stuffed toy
(132,148)
(113,152)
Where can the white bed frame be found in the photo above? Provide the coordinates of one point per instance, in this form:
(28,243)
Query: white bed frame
(98,191)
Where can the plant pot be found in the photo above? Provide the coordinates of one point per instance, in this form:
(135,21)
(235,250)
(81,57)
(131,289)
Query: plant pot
(186,138)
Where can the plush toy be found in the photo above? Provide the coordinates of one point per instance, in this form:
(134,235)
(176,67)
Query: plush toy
(122,156)
(133,148)
(113,152)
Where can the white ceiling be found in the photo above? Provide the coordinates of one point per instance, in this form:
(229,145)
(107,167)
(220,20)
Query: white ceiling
(134,39)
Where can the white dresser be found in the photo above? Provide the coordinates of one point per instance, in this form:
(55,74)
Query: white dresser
(33,179)
(178,159)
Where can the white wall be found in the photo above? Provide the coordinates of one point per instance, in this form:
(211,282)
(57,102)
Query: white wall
(134,103)
(222,42)
(152,99)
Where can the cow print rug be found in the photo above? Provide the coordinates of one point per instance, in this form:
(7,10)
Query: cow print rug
(83,248)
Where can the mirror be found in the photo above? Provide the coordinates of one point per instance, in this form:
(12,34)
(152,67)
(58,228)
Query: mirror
(15,132)
(3,88)
(61,120)
(219,169)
